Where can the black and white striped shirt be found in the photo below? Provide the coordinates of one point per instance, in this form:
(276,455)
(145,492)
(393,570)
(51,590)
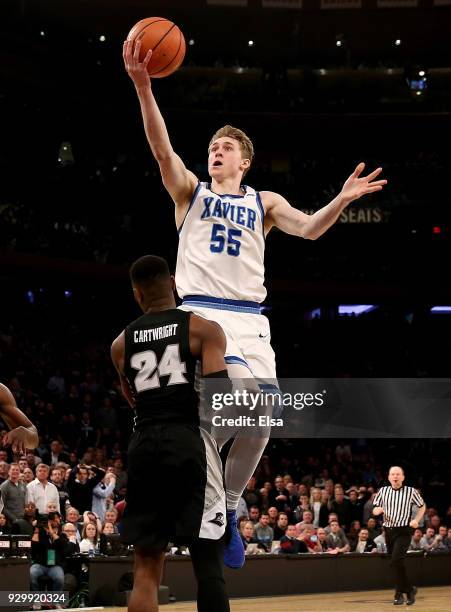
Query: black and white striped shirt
(397,504)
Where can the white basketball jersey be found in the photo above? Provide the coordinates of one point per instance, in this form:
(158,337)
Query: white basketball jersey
(222,246)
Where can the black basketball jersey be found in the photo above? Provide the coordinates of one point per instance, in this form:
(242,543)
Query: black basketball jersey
(160,368)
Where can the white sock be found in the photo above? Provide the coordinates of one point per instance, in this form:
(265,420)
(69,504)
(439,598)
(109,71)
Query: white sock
(232,500)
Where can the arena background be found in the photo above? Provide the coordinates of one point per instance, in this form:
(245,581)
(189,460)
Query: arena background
(320,88)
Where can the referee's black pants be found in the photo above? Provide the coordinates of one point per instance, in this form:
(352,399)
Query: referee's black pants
(398,541)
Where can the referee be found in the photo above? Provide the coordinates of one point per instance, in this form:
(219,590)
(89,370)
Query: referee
(395,502)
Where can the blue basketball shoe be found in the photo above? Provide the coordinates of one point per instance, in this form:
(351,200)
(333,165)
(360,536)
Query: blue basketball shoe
(234,548)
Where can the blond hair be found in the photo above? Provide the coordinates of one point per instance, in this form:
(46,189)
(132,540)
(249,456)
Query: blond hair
(246,146)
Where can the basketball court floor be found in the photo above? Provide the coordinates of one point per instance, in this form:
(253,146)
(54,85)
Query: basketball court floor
(432,599)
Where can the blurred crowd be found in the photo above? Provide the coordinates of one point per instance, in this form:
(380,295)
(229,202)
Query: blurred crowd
(99,221)
(306,497)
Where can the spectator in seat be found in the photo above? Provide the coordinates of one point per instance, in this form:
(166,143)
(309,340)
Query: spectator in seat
(363,543)
(25,525)
(91,517)
(4,471)
(337,541)
(265,496)
(22,463)
(40,491)
(71,532)
(49,548)
(303,506)
(247,533)
(332,517)
(81,486)
(90,539)
(273,514)
(373,529)
(28,475)
(121,477)
(415,542)
(325,499)
(56,454)
(109,529)
(353,534)
(322,539)
(428,539)
(57,478)
(435,521)
(12,493)
(73,516)
(307,519)
(32,460)
(281,526)
(438,544)
(254,514)
(293,497)
(72,569)
(318,508)
(341,507)
(111,516)
(310,539)
(290,544)
(356,506)
(447,540)
(5,529)
(264,534)
(101,492)
(278,495)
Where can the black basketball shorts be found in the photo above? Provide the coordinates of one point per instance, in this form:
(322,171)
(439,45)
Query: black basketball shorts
(175,489)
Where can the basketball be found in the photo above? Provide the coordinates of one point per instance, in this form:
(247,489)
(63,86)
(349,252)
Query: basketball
(166,41)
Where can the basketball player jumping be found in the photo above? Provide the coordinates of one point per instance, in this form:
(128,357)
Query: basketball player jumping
(222,226)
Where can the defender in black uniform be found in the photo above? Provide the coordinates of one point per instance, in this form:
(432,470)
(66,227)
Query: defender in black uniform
(175,487)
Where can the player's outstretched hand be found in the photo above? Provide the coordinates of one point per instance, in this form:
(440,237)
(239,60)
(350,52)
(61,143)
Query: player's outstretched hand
(136,70)
(356,186)
(18,439)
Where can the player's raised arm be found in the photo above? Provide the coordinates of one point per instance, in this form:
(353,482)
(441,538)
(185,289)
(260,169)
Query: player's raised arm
(23,434)
(180,182)
(117,357)
(292,221)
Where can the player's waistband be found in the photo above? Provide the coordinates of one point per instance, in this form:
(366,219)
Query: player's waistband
(206,301)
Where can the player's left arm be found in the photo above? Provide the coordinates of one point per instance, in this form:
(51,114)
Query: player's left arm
(118,357)
(279,213)
(23,434)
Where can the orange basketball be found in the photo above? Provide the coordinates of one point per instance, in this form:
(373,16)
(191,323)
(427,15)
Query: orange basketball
(166,41)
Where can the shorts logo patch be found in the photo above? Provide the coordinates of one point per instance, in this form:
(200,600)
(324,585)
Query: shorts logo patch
(218,520)
(263,335)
